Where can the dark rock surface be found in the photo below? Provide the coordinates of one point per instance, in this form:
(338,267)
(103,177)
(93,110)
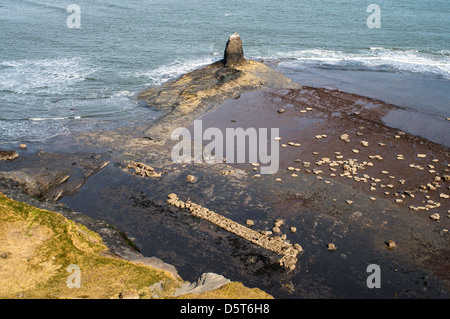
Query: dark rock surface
(234,53)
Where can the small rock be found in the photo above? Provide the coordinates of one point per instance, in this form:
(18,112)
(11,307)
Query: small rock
(435,216)
(421,155)
(276,230)
(281,111)
(365,143)
(331,247)
(293,230)
(390,244)
(250,222)
(23,146)
(298,247)
(5,255)
(349,202)
(191,178)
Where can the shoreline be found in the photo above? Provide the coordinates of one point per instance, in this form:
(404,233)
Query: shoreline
(264,203)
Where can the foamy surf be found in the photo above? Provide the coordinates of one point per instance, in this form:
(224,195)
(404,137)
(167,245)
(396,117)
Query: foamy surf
(374,58)
(175,69)
(49,76)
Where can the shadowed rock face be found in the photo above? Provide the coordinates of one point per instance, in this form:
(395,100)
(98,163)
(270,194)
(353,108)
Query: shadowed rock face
(50,176)
(234,54)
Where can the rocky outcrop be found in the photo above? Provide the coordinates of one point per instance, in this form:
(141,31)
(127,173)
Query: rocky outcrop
(8,155)
(49,176)
(206,282)
(234,53)
(186,97)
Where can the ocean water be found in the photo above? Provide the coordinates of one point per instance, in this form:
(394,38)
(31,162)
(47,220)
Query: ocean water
(57,80)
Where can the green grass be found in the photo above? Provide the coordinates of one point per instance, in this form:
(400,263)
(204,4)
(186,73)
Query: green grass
(42,244)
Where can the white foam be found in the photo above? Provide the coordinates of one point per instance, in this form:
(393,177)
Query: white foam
(175,69)
(437,63)
(52,76)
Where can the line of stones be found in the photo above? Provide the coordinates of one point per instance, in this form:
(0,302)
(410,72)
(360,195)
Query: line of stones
(275,244)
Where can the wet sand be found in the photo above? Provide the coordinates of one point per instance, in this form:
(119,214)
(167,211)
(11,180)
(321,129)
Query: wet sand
(387,162)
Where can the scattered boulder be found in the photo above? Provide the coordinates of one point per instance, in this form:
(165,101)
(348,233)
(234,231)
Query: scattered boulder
(435,216)
(390,244)
(143,170)
(331,247)
(191,178)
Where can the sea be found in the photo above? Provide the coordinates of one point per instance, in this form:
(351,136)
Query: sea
(74,66)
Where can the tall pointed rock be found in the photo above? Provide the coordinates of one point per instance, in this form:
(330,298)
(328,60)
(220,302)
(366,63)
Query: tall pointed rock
(234,53)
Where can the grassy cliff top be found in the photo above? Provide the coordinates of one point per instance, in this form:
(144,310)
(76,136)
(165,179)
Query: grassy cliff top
(38,247)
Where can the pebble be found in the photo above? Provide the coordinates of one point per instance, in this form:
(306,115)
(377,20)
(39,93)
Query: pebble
(294,175)
(365,143)
(250,222)
(349,202)
(281,110)
(435,216)
(344,137)
(191,178)
(277,138)
(293,230)
(278,180)
(355,151)
(390,244)
(23,146)
(331,247)
(421,155)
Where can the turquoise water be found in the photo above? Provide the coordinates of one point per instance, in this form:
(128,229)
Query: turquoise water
(59,80)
